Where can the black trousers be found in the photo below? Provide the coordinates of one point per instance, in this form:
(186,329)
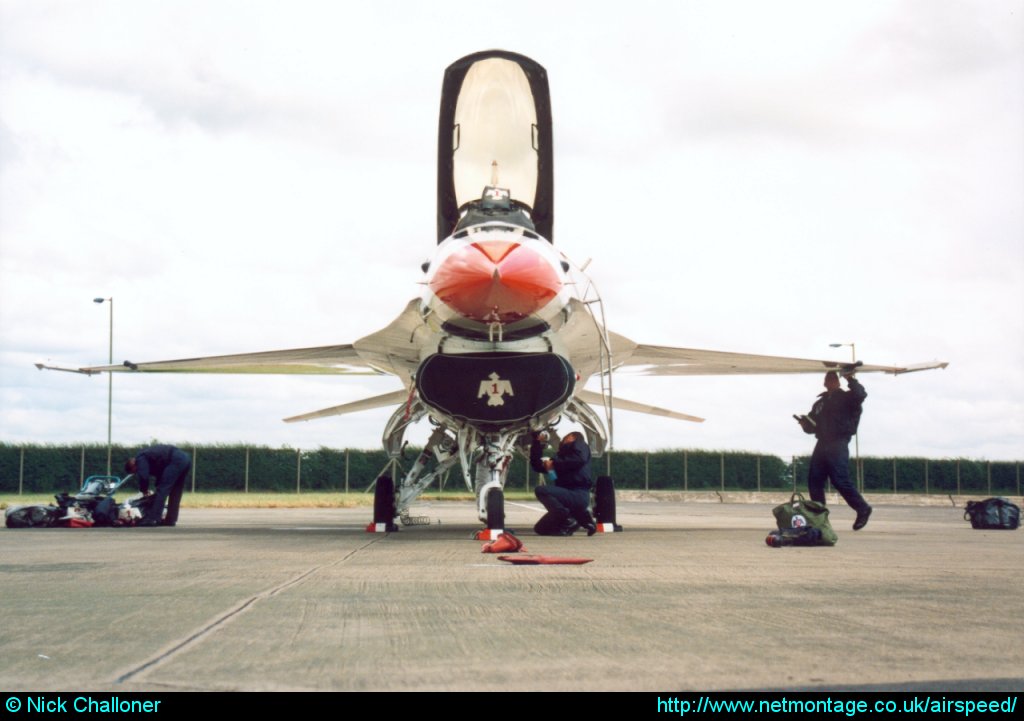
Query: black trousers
(831,460)
(562,504)
(169,488)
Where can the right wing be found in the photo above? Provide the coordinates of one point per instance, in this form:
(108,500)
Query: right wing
(323,360)
(391,350)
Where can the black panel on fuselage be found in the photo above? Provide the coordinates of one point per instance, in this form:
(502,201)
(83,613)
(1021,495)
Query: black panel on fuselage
(492,391)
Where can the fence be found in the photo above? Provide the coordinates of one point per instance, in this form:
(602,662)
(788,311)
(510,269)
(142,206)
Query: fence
(51,469)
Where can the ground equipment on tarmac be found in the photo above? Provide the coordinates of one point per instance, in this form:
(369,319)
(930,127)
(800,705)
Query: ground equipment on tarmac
(92,505)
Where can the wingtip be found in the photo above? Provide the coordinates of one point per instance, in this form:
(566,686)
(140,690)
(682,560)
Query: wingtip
(82,371)
(935,365)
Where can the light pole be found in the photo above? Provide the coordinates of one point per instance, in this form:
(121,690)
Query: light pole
(110,377)
(856,437)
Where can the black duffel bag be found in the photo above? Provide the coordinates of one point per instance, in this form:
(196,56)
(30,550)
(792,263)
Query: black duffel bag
(993,513)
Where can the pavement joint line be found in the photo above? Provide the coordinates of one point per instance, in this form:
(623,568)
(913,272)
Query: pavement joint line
(232,614)
(524,505)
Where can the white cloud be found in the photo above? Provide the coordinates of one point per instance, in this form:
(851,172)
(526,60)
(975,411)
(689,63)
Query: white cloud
(746,176)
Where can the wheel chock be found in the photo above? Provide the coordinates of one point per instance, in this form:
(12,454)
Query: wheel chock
(381,528)
(505,543)
(608,527)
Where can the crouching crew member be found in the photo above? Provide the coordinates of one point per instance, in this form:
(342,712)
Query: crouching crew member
(567,499)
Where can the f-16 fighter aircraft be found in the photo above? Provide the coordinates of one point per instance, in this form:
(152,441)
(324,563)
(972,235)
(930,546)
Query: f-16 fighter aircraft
(507,332)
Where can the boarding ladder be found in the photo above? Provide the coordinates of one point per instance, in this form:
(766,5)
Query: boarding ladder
(588,295)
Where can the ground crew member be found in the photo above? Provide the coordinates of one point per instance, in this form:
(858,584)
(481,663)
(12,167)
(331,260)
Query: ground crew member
(833,420)
(567,500)
(169,466)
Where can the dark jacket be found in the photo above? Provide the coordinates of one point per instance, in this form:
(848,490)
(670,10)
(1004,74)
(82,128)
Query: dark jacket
(572,463)
(153,461)
(836,415)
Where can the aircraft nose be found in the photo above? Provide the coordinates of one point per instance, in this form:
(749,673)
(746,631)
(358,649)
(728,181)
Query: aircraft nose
(496,280)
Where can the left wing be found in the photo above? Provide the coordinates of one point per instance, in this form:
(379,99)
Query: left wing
(655,360)
(584,339)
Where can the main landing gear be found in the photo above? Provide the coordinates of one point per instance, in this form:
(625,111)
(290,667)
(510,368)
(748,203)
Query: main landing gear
(383,506)
(604,505)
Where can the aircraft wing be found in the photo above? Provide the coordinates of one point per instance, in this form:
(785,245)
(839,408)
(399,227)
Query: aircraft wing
(391,350)
(654,360)
(322,360)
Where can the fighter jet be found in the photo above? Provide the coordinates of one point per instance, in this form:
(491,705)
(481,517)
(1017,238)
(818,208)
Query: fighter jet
(507,332)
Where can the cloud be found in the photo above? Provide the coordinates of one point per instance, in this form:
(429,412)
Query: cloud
(746,176)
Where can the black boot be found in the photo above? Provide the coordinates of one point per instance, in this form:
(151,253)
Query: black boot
(862,518)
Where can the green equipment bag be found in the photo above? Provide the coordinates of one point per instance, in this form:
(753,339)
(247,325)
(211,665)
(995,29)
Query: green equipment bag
(799,512)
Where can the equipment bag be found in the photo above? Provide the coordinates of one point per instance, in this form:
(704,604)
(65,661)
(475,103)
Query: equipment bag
(105,512)
(799,512)
(94,504)
(32,516)
(803,536)
(993,513)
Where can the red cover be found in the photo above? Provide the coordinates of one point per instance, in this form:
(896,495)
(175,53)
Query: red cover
(535,560)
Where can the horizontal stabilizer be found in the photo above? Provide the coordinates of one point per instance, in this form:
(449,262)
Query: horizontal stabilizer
(594,399)
(366,404)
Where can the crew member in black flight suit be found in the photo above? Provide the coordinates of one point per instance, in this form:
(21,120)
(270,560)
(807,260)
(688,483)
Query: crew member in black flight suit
(567,500)
(833,420)
(170,467)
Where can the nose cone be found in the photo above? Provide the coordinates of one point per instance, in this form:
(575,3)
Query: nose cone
(496,280)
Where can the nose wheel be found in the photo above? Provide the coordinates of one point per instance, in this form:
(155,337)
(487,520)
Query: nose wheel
(496,509)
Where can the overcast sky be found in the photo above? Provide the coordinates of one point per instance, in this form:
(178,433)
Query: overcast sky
(765,177)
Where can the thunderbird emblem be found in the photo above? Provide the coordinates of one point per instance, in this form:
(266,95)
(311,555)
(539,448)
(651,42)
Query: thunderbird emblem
(495,388)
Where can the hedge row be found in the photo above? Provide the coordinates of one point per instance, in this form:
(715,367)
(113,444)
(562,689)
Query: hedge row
(52,469)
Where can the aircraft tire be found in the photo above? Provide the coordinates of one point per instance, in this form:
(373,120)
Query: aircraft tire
(496,509)
(384,501)
(604,500)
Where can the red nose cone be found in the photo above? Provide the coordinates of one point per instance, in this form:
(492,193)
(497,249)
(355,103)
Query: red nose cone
(496,280)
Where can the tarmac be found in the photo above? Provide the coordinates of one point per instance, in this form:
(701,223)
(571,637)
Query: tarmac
(688,597)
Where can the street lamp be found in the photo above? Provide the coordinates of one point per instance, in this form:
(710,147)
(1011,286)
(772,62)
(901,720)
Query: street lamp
(110,377)
(856,437)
